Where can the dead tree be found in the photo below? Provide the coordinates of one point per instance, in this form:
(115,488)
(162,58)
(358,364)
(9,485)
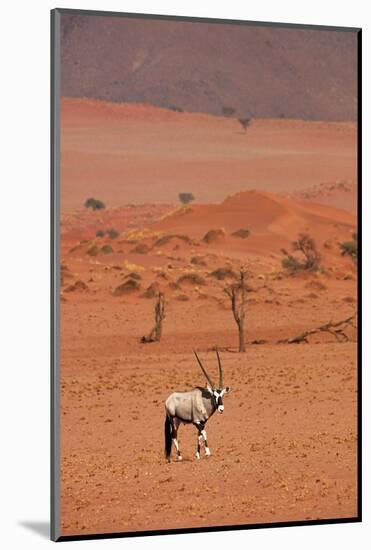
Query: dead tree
(156,332)
(337,329)
(237,296)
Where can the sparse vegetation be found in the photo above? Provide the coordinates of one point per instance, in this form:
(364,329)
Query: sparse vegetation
(107,249)
(192,278)
(350,248)
(140,248)
(112,233)
(167,238)
(94,204)
(100,233)
(175,109)
(131,285)
(93,250)
(241,233)
(77,286)
(151,291)
(134,275)
(186,198)
(213,235)
(223,273)
(307,246)
(228,111)
(198,260)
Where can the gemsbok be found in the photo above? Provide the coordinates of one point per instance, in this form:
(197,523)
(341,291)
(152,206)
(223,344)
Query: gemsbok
(193,407)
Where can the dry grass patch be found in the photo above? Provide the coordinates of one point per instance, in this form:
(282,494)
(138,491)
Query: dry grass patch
(223,273)
(129,286)
(213,235)
(241,233)
(167,238)
(191,278)
(140,248)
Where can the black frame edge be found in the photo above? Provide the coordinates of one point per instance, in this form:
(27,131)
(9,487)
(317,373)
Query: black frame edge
(359,268)
(211,529)
(54,277)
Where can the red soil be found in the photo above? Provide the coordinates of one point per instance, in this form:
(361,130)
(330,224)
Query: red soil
(285,448)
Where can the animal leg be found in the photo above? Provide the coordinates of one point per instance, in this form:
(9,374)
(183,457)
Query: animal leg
(198,448)
(207,450)
(175,438)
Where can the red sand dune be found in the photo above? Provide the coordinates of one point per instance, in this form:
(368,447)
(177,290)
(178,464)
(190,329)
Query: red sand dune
(273,220)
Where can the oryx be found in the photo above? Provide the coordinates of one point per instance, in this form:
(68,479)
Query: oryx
(193,407)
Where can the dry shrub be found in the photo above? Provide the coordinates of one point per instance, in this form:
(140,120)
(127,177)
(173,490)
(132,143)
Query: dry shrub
(77,286)
(106,249)
(315,285)
(173,286)
(140,248)
(129,286)
(93,250)
(191,278)
(223,273)
(167,238)
(133,236)
(241,233)
(182,297)
(151,291)
(198,260)
(133,275)
(213,235)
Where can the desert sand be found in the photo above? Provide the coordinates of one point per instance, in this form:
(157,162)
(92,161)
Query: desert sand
(129,150)
(286,446)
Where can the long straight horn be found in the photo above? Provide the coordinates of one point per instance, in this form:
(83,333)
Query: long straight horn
(220,369)
(204,371)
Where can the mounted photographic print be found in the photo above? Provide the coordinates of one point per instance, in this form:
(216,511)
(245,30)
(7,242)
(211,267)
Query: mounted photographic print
(205,228)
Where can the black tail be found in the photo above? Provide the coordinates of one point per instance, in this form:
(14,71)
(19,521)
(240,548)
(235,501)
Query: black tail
(168,440)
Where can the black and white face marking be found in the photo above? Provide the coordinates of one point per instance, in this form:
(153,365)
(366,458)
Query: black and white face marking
(218,400)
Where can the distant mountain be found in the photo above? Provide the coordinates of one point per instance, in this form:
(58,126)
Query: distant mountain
(263,72)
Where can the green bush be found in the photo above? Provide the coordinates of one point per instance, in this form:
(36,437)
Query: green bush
(94,204)
(107,249)
(350,248)
(100,233)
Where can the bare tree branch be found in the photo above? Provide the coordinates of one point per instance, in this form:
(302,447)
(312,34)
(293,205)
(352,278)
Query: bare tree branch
(337,329)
